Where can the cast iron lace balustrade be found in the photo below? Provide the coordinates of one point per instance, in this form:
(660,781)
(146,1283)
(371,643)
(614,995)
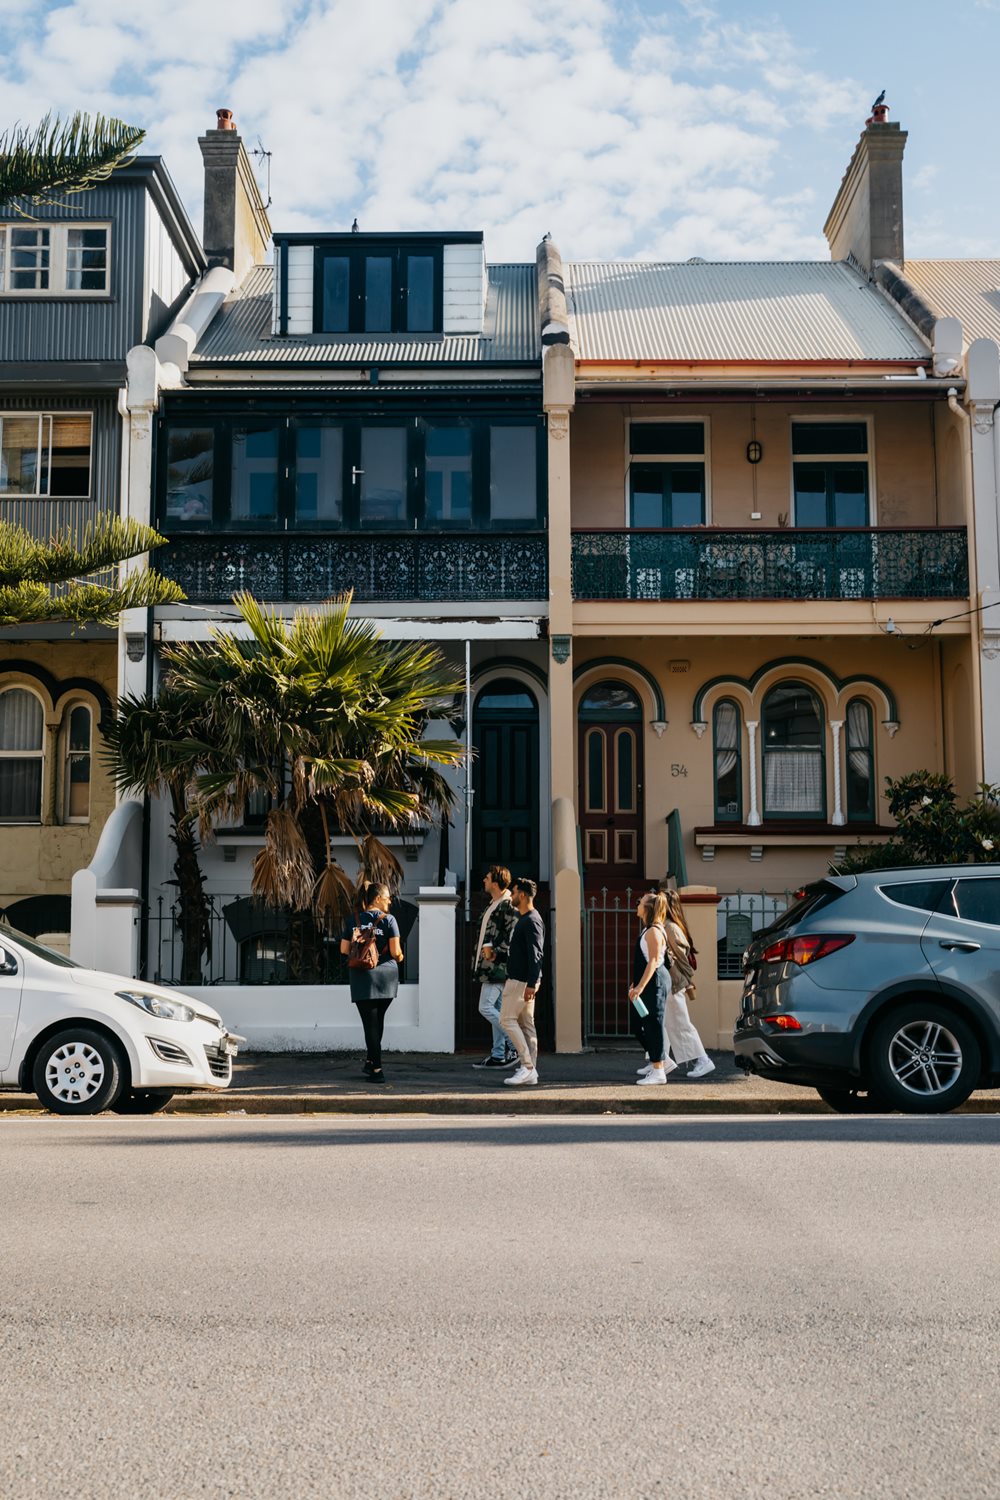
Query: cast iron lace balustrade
(376,565)
(703,563)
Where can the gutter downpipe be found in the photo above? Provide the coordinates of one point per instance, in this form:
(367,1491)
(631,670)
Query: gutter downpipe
(976,622)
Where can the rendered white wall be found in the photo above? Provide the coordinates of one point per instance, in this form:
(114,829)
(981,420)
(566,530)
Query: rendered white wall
(464,288)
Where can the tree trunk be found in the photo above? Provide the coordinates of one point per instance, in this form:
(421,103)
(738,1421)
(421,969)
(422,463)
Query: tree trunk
(192,903)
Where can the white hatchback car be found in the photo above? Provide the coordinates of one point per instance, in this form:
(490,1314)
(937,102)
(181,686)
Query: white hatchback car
(85,1041)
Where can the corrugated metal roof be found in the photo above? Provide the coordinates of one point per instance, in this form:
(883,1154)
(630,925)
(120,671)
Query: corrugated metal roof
(968,290)
(240,333)
(758,311)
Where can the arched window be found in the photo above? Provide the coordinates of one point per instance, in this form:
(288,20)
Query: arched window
(728,762)
(22,740)
(860,763)
(76,778)
(794,764)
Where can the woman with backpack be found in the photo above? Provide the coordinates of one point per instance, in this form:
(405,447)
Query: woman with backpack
(680,1035)
(374,953)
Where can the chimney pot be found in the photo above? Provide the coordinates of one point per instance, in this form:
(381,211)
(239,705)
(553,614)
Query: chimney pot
(225,119)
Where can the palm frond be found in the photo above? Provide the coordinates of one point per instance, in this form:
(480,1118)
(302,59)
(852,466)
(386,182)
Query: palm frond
(282,870)
(333,897)
(63,156)
(377,864)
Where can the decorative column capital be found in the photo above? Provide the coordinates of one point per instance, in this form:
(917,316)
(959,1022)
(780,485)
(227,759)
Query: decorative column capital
(982,416)
(559,422)
(562,646)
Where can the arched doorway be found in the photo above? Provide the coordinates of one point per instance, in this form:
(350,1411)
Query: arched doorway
(610,802)
(505,779)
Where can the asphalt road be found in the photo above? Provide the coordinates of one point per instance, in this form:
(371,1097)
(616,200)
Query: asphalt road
(502,1308)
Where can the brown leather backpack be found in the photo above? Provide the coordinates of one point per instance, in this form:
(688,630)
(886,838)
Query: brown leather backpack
(363,952)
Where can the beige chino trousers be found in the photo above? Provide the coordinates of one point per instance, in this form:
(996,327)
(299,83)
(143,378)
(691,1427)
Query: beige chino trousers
(517,1017)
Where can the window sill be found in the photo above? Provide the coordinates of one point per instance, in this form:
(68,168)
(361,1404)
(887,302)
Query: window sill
(805,835)
(57,297)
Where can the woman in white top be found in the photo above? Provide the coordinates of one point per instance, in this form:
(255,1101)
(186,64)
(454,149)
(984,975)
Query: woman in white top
(680,1036)
(650,987)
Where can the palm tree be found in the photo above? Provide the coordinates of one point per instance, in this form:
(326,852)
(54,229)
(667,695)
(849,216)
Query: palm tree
(326,719)
(63,157)
(152,745)
(46,581)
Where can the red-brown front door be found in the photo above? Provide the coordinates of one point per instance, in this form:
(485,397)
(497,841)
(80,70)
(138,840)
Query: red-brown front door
(610,785)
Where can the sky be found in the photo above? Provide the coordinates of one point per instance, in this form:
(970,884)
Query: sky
(653,128)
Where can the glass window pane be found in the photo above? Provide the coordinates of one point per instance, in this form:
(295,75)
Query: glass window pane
(319,481)
(611,700)
(687,497)
(70,464)
(860,799)
(29,260)
(728,788)
(383,477)
(255,474)
(667,437)
(829,437)
(625,746)
(86,260)
(849,488)
(647,494)
(514,474)
(924,895)
(595,771)
(19,456)
(449,475)
(419,293)
(378,294)
(978,900)
(79,729)
(791,718)
(810,495)
(21,790)
(190,473)
(336,293)
(21,720)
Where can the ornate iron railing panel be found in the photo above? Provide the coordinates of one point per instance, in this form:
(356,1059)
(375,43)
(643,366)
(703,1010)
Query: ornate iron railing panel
(877,563)
(377,566)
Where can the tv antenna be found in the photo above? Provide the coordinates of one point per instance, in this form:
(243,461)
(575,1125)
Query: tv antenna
(260,155)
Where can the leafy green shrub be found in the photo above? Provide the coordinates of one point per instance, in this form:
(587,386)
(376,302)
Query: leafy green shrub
(933,827)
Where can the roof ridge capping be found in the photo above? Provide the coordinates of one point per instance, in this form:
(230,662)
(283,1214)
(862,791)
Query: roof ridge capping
(553,314)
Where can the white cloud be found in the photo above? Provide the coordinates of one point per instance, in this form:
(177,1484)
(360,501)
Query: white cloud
(520,117)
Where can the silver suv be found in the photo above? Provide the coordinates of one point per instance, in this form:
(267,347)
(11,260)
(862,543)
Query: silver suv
(880,990)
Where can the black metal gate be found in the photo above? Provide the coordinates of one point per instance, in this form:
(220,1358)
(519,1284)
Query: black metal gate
(609,933)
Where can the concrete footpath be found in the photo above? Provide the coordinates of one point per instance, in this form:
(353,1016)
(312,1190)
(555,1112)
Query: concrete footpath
(601,1082)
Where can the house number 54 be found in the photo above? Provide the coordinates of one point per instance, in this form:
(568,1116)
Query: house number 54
(676,770)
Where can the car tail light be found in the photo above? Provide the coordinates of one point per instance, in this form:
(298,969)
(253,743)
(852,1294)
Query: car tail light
(805,950)
(784,1023)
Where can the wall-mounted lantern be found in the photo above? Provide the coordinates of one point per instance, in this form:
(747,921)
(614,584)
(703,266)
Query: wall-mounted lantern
(755,451)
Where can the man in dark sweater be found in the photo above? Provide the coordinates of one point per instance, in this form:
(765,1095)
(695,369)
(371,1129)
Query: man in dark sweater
(524,970)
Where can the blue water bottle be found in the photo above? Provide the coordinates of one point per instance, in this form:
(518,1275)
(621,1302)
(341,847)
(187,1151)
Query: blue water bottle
(640,1007)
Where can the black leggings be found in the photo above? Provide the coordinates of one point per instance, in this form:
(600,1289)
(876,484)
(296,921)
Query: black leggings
(373,1020)
(648,1029)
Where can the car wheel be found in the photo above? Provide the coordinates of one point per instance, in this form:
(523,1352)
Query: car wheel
(924,1059)
(142,1101)
(855,1101)
(78,1072)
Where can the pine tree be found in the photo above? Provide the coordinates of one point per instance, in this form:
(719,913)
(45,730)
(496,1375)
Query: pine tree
(63,157)
(46,581)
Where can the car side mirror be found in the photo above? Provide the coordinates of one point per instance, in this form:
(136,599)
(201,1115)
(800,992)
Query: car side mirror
(8,963)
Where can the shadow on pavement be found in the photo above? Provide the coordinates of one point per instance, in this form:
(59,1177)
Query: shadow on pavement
(953,1130)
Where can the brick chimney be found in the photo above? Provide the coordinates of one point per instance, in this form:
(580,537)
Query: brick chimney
(237,230)
(866,219)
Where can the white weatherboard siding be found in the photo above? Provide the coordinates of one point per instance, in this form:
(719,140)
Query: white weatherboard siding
(300,288)
(464,288)
(164,276)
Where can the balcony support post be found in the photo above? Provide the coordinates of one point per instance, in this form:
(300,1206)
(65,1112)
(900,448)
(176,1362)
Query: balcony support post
(753,817)
(838,810)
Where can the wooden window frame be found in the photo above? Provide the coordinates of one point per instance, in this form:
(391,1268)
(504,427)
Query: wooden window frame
(41,415)
(784,815)
(35,820)
(862,459)
(58,246)
(69,755)
(868,816)
(719,815)
(595,729)
(702,460)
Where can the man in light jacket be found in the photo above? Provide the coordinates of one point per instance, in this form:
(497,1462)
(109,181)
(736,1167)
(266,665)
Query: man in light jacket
(489,963)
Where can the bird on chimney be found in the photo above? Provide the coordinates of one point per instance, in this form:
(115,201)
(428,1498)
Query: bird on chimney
(878,101)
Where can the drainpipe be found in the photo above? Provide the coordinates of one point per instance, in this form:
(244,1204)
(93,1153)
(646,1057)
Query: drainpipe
(976,620)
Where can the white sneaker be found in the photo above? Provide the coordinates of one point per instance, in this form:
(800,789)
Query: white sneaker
(655,1075)
(643,1071)
(523,1075)
(701,1067)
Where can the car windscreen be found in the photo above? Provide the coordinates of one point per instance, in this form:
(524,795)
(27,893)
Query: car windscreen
(812,899)
(39,950)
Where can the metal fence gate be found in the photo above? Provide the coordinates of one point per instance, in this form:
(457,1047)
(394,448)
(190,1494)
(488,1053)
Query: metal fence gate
(609,933)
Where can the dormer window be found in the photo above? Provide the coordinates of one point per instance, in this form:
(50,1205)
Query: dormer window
(48,259)
(382,285)
(371,287)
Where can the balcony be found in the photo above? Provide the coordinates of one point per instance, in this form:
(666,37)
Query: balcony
(378,566)
(707,564)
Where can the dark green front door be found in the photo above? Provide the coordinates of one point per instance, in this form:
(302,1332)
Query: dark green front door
(505,778)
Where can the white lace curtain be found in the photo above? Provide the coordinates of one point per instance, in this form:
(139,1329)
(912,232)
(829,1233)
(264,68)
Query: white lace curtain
(22,726)
(727,730)
(859,738)
(793,781)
